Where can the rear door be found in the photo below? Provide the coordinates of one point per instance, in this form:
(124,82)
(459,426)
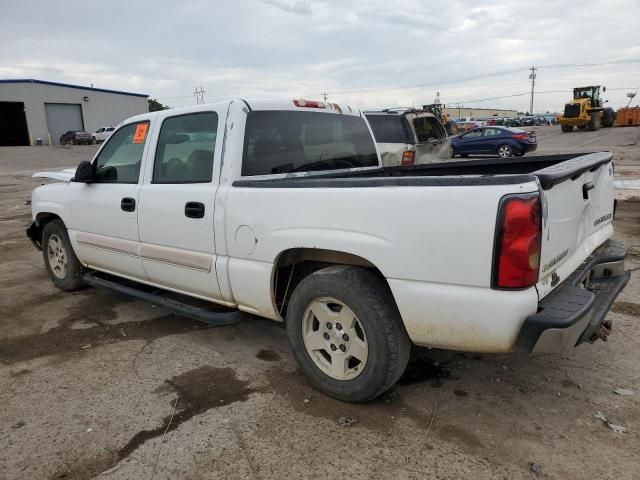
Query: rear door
(176,204)
(490,139)
(577,215)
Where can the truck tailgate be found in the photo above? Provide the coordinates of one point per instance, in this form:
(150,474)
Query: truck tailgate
(577,209)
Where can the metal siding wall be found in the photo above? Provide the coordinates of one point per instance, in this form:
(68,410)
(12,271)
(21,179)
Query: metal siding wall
(101,110)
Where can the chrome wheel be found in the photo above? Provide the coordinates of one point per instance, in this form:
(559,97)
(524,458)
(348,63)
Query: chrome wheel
(504,151)
(57,256)
(334,338)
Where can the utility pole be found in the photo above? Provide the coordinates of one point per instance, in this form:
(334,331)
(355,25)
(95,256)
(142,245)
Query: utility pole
(199,94)
(324,96)
(532,77)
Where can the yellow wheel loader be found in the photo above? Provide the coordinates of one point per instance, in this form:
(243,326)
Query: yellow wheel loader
(586,110)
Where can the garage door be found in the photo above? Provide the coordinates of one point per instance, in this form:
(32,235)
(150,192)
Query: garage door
(62,117)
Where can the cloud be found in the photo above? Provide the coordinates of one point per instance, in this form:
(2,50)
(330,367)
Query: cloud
(299,7)
(373,53)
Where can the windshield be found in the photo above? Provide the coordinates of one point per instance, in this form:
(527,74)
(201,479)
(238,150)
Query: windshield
(586,92)
(289,141)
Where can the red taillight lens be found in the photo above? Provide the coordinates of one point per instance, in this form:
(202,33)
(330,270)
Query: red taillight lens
(518,241)
(407,158)
(309,103)
(520,136)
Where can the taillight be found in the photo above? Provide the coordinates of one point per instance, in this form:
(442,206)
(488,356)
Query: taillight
(516,259)
(309,103)
(407,158)
(520,136)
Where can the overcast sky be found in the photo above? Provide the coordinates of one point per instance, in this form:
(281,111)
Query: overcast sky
(365,53)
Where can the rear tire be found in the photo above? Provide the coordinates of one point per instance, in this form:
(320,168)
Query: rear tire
(566,128)
(61,262)
(505,151)
(346,333)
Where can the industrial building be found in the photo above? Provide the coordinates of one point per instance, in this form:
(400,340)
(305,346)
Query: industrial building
(466,112)
(37,111)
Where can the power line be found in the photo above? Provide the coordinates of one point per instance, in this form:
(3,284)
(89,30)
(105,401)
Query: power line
(591,64)
(429,84)
(522,94)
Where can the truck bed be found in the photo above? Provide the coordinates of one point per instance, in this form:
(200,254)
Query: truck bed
(549,169)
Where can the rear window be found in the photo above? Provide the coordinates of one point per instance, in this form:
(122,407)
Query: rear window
(288,141)
(390,129)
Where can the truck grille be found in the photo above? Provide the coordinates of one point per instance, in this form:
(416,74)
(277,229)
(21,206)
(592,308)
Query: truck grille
(572,110)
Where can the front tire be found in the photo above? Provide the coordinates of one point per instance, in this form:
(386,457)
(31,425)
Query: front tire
(346,333)
(594,123)
(505,151)
(61,262)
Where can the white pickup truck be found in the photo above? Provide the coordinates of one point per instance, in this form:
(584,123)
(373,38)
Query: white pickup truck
(283,210)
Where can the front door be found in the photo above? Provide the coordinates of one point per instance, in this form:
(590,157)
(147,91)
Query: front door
(103,223)
(470,141)
(176,204)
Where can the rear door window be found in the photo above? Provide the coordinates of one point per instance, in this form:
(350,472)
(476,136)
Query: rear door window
(473,134)
(289,141)
(492,132)
(390,128)
(185,149)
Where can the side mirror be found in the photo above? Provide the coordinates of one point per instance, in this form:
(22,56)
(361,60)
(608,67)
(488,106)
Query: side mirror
(604,89)
(84,172)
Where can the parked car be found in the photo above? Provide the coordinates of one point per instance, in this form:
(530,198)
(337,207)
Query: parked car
(359,261)
(502,141)
(462,127)
(101,134)
(408,136)
(512,122)
(75,137)
(527,121)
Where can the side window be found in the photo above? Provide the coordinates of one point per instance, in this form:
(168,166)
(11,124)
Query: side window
(492,132)
(120,158)
(185,149)
(473,134)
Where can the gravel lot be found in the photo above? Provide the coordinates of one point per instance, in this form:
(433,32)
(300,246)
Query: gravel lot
(93,384)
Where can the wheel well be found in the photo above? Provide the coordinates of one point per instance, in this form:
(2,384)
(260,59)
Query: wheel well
(45,217)
(293,265)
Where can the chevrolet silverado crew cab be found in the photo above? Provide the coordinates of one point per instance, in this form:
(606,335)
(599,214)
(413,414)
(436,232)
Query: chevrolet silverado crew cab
(283,209)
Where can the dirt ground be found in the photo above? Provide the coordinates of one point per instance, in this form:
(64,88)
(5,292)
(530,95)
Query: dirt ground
(95,385)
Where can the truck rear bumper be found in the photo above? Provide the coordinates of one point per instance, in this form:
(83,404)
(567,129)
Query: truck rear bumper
(575,312)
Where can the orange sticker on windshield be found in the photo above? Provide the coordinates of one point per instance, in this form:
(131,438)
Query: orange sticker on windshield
(141,133)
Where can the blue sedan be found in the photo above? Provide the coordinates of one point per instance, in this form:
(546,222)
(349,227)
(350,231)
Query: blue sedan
(502,141)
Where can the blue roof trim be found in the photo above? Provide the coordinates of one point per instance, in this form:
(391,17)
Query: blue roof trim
(68,85)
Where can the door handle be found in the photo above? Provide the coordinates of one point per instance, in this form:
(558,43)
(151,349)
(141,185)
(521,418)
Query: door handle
(585,189)
(194,210)
(128,204)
